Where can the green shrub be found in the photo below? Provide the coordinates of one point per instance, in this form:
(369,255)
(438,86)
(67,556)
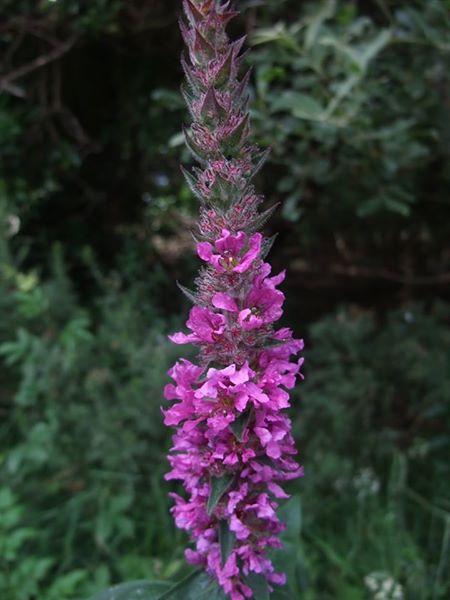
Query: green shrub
(82,447)
(373,429)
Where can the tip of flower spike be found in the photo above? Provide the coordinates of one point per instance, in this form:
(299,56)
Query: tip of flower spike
(205,6)
(192,12)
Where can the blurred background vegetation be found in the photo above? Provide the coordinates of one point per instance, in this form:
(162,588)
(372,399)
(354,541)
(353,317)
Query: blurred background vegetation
(95,221)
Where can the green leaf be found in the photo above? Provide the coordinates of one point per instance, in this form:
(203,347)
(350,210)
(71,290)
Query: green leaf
(259,586)
(134,590)
(219,485)
(325,11)
(180,589)
(291,514)
(203,587)
(226,540)
(289,558)
(278,34)
(282,594)
(299,105)
(196,586)
(374,47)
(360,56)
(333,555)
(238,426)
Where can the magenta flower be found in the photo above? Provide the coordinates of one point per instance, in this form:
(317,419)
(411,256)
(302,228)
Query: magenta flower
(205,325)
(232,390)
(233,448)
(228,257)
(262,305)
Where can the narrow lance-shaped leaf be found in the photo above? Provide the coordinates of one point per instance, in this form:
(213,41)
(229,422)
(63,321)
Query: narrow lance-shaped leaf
(219,485)
(226,540)
(239,425)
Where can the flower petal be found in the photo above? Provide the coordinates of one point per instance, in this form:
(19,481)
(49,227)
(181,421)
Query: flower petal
(225,302)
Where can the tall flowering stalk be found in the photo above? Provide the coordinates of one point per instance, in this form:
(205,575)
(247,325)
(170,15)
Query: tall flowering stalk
(233,445)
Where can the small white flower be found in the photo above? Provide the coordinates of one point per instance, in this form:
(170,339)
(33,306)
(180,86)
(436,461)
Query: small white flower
(383,586)
(13,223)
(366,483)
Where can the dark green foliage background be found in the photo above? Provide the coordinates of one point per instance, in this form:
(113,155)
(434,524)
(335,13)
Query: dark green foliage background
(95,220)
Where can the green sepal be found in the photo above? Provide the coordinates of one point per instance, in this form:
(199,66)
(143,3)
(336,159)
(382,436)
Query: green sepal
(202,48)
(234,140)
(219,485)
(191,183)
(267,245)
(223,192)
(192,81)
(196,150)
(191,296)
(188,99)
(224,73)
(211,111)
(261,219)
(240,94)
(261,159)
(226,540)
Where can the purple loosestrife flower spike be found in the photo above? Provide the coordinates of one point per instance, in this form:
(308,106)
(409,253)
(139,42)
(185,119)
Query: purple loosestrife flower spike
(233,444)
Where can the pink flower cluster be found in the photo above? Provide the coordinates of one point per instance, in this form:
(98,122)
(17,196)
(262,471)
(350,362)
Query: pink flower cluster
(229,419)
(233,445)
